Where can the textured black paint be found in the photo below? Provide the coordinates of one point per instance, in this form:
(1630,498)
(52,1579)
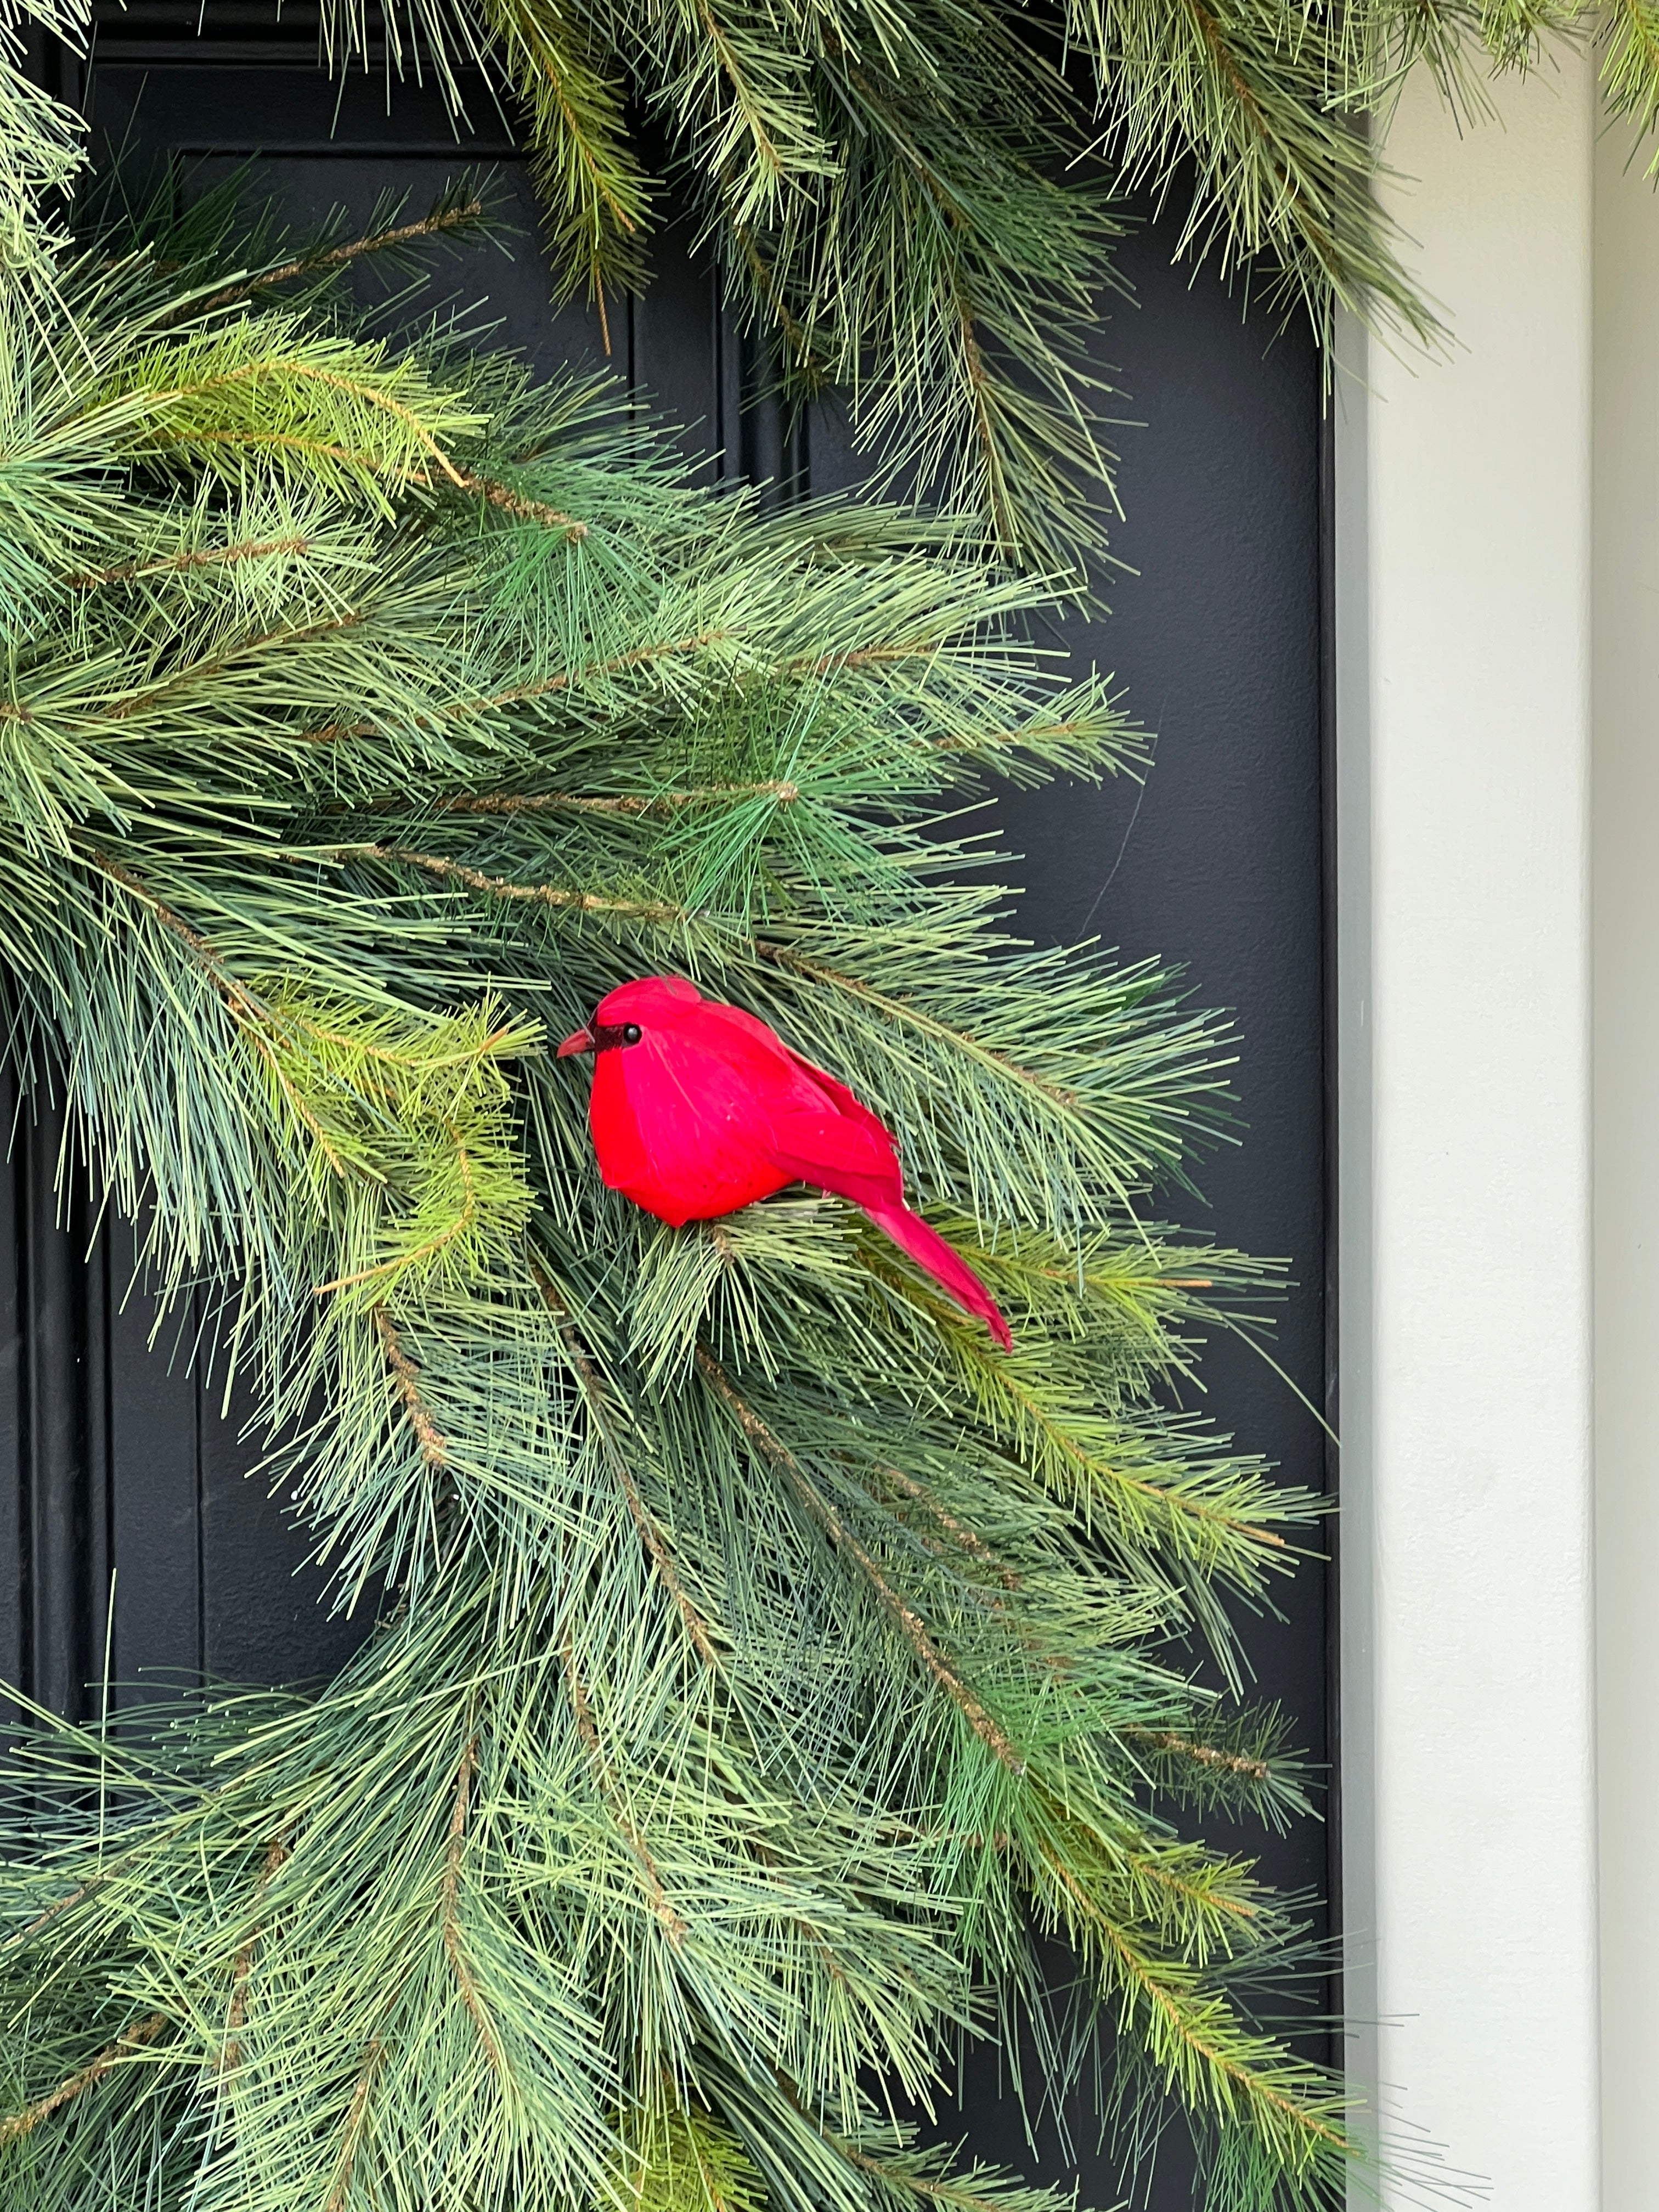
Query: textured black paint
(55,1412)
(113,1448)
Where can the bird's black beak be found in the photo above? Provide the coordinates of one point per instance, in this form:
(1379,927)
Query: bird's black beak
(579,1041)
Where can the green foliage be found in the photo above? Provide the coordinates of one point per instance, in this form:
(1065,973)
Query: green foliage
(766,1667)
(1255,96)
(40,151)
(684,2162)
(915,205)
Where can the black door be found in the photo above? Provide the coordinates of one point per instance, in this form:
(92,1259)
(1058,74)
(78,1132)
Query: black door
(122,1463)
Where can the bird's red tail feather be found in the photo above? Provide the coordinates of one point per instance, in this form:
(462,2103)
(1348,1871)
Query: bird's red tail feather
(943,1263)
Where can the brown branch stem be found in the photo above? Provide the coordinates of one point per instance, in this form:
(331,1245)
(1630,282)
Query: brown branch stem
(662,802)
(352,2135)
(909,1621)
(130,2040)
(200,556)
(452,1901)
(521,505)
(501,887)
(650,1528)
(1205,1755)
(435,1448)
(587,1729)
(230,2056)
(338,256)
(970,1539)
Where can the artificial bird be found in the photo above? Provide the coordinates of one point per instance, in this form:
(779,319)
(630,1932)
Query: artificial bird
(698,1108)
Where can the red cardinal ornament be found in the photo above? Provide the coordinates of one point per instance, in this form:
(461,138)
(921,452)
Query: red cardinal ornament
(698,1109)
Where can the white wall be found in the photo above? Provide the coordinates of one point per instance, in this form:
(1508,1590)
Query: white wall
(1464,553)
(1626,876)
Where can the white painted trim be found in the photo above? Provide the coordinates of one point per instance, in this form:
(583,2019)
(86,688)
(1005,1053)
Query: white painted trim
(1464,588)
(1626,876)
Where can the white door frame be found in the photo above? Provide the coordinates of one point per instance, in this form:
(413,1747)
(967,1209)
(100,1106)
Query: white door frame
(1498,717)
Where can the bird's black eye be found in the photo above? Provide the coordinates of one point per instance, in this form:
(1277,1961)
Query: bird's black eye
(631,1032)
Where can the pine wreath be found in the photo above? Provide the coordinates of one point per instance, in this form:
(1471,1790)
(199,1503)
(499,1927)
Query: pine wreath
(767,1664)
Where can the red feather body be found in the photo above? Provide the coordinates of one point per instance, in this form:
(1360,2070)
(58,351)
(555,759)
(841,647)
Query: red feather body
(710,1110)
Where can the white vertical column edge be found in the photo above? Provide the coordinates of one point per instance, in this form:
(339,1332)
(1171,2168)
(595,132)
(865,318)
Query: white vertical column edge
(1463,553)
(1626,875)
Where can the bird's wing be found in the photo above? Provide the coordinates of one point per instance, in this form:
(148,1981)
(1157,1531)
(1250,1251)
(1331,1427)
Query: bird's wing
(855,1158)
(843,1101)
(814,1128)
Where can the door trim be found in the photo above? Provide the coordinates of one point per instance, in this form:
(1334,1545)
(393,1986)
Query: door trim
(1464,596)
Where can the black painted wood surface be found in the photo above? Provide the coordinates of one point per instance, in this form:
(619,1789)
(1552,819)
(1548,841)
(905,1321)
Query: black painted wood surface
(116,1454)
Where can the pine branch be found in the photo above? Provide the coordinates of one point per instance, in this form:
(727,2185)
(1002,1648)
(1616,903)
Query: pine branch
(356,2120)
(452,1920)
(651,1531)
(207,556)
(230,2054)
(433,1247)
(1200,2037)
(905,1014)
(462,215)
(551,895)
(244,1007)
(1229,1762)
(1161,1498)
(665,802)
(406,1376)
(909,1621)
(1255,92)
(672,1925)
(130,2041)
(973,1544)
(517,504)
(1629,68)
(599,194)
